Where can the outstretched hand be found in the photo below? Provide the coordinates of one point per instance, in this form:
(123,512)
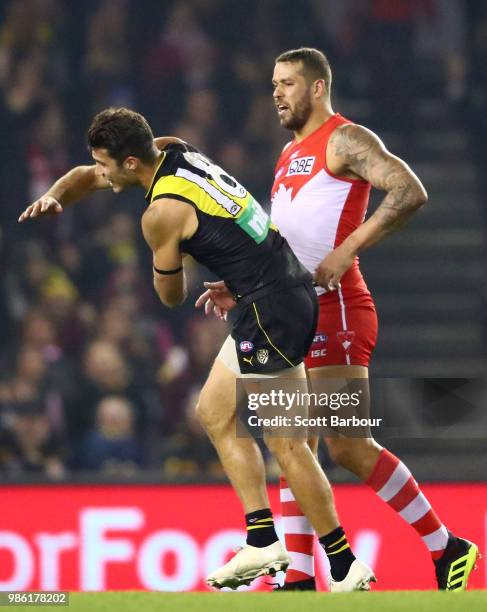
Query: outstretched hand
(47,205)
(217,299)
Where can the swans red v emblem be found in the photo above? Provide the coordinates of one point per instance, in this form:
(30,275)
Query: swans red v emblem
(346,338)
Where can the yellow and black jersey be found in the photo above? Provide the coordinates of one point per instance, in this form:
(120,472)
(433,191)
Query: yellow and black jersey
(235,238)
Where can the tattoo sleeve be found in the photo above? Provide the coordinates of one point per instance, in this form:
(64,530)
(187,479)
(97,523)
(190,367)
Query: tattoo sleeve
(363,153)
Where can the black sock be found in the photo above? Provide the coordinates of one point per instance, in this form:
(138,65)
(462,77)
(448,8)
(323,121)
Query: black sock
(339,553)
(260,528)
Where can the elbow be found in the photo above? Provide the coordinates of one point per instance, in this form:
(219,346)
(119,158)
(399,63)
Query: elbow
(169,298)
(172,292)
(420,198)
(172,302)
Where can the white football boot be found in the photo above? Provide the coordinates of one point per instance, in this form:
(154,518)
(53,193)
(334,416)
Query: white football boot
(358,578)
(249,563)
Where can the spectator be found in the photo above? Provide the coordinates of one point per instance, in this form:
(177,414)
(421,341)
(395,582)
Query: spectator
(32,418)
(33,446)
(111,446)
(108,66)
(106,371)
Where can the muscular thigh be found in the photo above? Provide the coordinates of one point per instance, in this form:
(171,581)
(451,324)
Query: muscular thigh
(226,387)
(218,397)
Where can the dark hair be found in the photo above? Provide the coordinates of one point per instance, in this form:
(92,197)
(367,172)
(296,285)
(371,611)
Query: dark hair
(315,63)
(122,132)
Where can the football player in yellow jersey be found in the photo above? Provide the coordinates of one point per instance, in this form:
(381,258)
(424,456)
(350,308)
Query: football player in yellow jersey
(194,207)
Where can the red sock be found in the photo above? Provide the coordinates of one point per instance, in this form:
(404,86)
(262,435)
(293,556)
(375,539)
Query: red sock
(393,482)
(299,537)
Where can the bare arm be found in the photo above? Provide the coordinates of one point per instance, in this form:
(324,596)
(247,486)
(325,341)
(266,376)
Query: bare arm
(356,152)
(161,142)
(73,186)
(76,185)
(361,152)
(163,226)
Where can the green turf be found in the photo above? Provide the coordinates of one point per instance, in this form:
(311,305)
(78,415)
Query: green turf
(397,601)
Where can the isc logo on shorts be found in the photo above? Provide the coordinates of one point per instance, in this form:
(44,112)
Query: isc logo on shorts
(301,165)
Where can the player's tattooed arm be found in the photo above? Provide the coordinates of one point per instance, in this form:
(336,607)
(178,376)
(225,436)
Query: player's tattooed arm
(73,186)
(361,153)
(355,152)
(163,226)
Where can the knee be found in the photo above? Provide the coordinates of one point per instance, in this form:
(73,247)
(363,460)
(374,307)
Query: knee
(283,449)
(211,419)
(313,445)
(351,453)
(339,451)
(204,414)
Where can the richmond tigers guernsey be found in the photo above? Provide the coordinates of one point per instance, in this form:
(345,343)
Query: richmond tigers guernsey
(235,238)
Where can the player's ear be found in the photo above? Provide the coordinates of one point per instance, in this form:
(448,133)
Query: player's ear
(319,88)
(131,163)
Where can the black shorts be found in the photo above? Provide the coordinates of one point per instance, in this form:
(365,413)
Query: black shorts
(275,331)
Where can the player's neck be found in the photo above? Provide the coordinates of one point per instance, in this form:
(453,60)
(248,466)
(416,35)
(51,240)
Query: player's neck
(147,172)
(316,120)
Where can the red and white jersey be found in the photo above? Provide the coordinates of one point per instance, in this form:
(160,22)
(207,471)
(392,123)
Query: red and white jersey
(314,209)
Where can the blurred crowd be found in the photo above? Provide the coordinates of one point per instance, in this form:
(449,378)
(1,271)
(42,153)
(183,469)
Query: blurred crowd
(94,373)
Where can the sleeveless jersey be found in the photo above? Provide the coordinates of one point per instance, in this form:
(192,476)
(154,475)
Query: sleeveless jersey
(314,209)
(235,238)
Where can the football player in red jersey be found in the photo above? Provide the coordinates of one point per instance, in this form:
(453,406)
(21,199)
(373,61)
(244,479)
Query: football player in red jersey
(319,201)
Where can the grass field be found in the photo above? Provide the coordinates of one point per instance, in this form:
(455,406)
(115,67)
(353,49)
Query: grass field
(397,601)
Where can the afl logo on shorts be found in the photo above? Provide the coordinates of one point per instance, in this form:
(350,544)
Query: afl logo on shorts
(320,338)
(262,356)
(301,165)
(246,346)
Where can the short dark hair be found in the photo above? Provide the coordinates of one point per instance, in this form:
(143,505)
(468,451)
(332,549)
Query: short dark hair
(315,63)
(122,132)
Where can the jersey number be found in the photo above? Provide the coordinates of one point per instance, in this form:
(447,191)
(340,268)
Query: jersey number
(253,220)
(226,183)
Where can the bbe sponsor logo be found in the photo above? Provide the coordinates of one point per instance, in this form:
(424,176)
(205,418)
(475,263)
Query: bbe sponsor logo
(246,346)
(301,165)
